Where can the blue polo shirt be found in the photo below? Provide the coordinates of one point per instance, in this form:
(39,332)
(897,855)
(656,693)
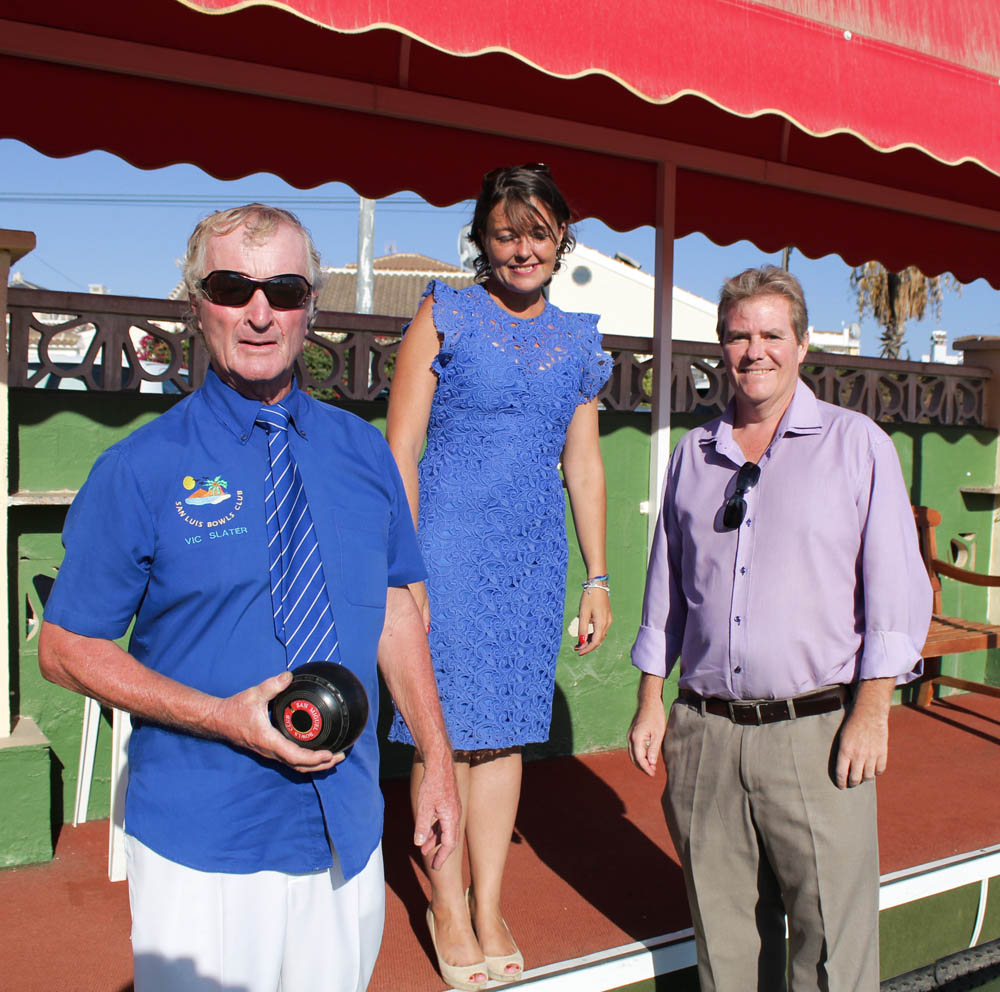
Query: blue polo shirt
(169,528)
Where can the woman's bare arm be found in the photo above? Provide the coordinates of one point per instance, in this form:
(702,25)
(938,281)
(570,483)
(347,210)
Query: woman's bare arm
(583,468)
(413,385)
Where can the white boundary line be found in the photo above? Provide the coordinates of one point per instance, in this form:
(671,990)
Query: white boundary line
(613,968)
(900,887)
(640,961)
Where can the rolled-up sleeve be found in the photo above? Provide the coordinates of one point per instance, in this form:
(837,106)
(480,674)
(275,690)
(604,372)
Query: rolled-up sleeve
(897,591)
(661,632)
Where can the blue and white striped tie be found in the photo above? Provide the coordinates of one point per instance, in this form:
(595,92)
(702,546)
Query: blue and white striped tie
(303,618)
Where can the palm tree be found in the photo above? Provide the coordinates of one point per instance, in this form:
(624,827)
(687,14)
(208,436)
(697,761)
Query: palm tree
(893,298)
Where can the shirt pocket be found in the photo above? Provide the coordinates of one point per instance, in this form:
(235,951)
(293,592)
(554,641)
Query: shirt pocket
(364,556)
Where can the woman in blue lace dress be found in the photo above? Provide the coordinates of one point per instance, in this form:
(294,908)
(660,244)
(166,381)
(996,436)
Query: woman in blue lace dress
(501,384)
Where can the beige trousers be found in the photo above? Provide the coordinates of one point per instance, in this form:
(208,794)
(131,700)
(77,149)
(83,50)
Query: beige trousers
(762,831)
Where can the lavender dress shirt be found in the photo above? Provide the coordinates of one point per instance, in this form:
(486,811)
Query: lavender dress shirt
(821,584)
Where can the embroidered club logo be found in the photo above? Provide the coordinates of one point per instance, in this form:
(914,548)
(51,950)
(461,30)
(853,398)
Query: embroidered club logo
(210,491)
(200,508)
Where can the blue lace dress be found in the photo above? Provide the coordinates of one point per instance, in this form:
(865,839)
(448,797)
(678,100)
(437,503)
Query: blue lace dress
(492,513)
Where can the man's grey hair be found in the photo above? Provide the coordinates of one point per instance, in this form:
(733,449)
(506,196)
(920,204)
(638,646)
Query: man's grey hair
(260,223)
(768,280)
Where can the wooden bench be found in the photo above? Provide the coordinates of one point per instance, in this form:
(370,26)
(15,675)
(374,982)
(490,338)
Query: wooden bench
(950,635)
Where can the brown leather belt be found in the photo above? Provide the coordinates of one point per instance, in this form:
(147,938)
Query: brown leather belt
(768,710)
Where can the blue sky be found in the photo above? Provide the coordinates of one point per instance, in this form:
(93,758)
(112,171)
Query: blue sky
(132,247)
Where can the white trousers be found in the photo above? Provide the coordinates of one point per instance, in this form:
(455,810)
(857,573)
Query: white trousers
(195,931)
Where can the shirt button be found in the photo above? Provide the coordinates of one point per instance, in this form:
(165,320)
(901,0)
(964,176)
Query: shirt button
(748,521)
(738,669)
(743,570)
(738,620)
(243,437)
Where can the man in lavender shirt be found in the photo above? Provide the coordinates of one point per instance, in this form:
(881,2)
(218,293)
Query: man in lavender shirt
(786,576)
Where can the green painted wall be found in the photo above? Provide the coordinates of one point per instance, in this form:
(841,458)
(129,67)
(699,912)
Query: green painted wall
(26,827)
(918,933)
(595,693)
(57,436)
(991,922)
(57,712)
(939,462)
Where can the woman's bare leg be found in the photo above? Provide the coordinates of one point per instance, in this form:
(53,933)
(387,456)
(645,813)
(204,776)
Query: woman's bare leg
(456,939)
(494,790)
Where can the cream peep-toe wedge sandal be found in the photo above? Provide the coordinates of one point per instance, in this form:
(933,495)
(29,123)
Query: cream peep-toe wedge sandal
(457,976)
(497,965)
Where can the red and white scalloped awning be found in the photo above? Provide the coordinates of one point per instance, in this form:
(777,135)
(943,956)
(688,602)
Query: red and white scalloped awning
(865,127)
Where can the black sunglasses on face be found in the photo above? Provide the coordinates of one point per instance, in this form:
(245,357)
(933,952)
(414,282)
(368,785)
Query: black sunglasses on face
(232,289)
(736,505)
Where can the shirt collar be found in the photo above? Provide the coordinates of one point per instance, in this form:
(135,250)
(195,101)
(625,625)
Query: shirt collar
(803,416)
(238,413)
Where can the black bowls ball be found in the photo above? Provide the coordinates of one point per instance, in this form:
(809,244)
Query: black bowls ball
(324,708)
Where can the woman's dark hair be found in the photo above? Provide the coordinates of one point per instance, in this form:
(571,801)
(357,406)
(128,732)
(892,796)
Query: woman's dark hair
(515,187)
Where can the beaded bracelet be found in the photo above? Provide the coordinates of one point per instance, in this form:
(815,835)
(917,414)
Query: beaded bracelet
(597,582)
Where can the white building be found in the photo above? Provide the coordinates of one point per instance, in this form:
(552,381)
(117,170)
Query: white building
(616,288)
(846,341)
(939,350)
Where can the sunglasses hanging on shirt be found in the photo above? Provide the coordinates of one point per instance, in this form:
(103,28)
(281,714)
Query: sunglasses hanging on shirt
(233,289)
(736,505)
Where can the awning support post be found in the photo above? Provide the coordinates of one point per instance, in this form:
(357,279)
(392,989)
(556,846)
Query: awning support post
(659,442)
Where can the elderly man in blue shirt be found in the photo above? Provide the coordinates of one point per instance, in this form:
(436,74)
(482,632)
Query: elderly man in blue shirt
(253,862)
(785,574)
